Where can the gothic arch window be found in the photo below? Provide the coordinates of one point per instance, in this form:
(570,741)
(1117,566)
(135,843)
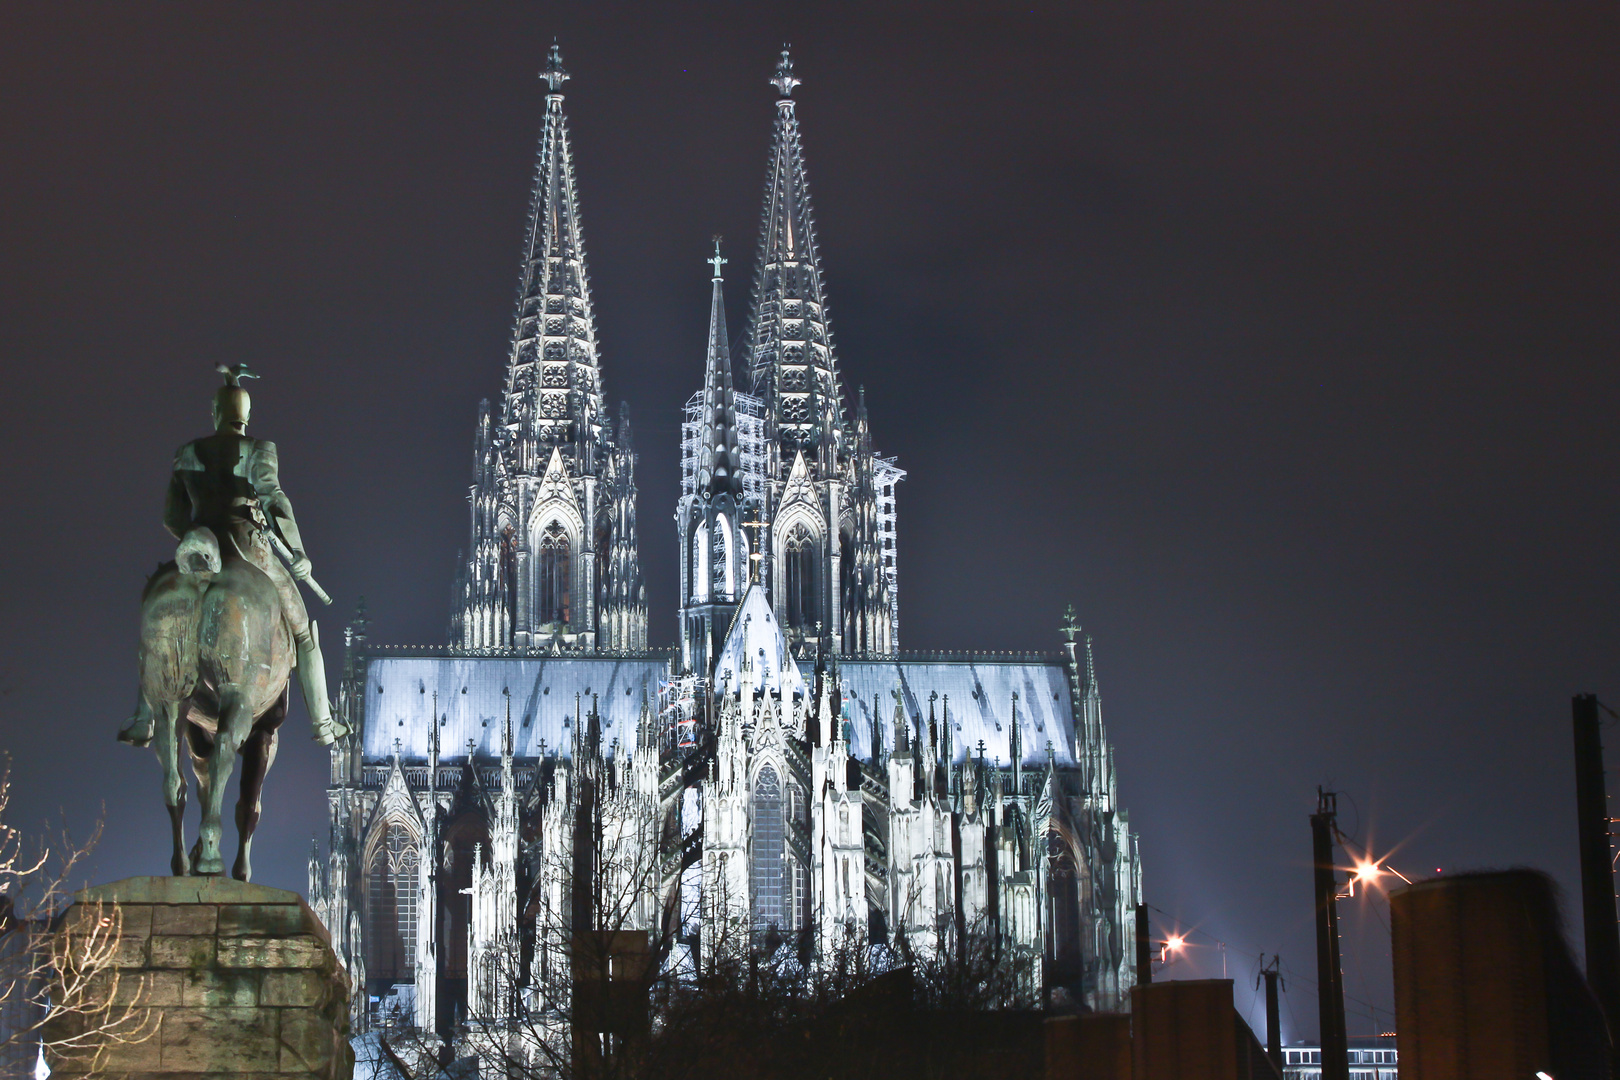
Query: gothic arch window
(552,599)
(700,562)
(391,904)
(850,589)
(800,587)
(508,583)
(768,847)
(604,561)
(725,566)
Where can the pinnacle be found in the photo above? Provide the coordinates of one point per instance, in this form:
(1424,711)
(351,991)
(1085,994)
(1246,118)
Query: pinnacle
(555,74)
(784,81)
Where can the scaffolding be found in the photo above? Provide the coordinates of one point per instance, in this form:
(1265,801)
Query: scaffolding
(751,446)
(885,475)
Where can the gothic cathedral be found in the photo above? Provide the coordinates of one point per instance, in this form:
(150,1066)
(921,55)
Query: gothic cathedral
(785,776)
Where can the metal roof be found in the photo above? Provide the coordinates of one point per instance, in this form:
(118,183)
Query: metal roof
(399,701)
(981,704)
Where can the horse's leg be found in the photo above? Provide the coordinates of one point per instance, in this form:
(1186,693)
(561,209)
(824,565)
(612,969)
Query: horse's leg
(258,754)
(200,747)
(165,735)
(235,725)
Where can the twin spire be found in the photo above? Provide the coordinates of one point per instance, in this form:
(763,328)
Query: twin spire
(554,383)
(553,379)
(789,347)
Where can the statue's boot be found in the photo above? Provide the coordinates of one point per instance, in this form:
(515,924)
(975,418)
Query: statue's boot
(312,680)
(141,727)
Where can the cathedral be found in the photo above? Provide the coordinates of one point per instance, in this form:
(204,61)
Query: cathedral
(785,775)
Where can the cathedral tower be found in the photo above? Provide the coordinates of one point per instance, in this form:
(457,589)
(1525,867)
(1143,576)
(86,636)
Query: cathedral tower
(825,500)
(715,506)
(553,562)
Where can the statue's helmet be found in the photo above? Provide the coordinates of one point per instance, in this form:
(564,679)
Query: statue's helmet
(232,405)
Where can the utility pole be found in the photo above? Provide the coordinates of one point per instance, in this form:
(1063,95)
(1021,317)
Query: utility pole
(1329,976)
(1272,975)
(1144,947)
(1597,869)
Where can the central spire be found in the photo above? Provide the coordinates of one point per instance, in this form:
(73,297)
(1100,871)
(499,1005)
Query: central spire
(721,462)
(789,343)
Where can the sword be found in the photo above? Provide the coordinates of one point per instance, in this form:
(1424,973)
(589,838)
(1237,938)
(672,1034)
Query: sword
(284,553)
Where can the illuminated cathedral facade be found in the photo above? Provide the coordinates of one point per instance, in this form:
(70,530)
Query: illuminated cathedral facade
(785,775)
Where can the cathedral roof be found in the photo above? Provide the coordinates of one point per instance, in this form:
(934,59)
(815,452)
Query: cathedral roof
(472,705)
(980,692)
(755,636)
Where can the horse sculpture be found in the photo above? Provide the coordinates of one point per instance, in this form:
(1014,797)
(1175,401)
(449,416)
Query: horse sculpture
(216,659)
(223,628)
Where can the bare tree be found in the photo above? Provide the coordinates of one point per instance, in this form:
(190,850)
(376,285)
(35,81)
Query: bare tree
(62,988)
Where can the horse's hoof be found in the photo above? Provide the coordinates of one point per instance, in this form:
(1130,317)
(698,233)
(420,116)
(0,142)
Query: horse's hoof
(180,866)
(208,868)
(243,870)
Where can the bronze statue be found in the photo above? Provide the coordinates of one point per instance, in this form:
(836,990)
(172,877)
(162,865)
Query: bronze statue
(222,629)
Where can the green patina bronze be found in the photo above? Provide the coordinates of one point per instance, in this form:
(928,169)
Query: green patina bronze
(223,628)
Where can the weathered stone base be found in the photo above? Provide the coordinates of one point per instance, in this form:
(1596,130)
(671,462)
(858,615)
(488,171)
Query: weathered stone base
(241,980)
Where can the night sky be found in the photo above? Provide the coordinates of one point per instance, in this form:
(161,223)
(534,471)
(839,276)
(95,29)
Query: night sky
(1281,340)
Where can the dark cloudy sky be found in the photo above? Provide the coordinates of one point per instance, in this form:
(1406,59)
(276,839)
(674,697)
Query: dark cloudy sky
(1281,340)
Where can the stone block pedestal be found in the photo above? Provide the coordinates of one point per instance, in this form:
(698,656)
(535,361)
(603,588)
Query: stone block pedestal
(241,981)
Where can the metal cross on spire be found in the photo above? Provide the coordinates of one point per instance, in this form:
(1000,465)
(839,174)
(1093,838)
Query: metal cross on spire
(785,80)
(555,74)
(717,262)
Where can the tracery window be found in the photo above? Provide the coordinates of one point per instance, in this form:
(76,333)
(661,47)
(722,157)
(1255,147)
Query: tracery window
(800,586)
(767,853)
(391,903)
(552,601)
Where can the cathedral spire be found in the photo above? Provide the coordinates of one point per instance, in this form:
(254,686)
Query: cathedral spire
(789,338)
(553,378)
(721,462)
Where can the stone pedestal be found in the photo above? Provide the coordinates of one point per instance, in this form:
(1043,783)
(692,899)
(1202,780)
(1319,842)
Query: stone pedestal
(241,981)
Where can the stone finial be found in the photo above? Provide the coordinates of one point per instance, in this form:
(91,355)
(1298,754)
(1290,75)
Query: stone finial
(785,80)
(555,74)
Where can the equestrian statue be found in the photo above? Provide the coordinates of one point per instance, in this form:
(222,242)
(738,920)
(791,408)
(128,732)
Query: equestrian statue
(222,630)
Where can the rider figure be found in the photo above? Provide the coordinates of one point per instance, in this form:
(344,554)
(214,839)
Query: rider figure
(227,483)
